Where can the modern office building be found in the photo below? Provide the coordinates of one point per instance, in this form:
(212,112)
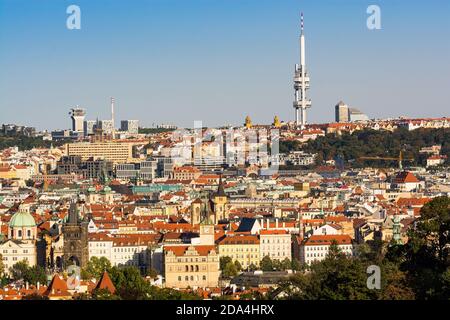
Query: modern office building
(130,126)
(77,115)
(355,115)
(145,170)
(117,152)
(89,127)
(341,112)
(107,126)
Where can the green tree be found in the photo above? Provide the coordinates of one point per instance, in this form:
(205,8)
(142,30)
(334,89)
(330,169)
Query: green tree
(238,265)
(252,267)
(95,268)
(230,270)
(2,266)
(266,264)
(286,264)
(223,261)
(34,296)
(129,283)
(22,271)
(36,274)
(19,270)
(425,257)
(296,265)
(103,294)
(152,273)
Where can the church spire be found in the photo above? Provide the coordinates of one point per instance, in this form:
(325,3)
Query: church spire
(221,189)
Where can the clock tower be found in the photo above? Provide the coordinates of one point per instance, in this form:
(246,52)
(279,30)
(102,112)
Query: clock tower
(206,234)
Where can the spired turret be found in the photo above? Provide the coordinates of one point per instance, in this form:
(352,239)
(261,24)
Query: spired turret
(248,122)
(276,122)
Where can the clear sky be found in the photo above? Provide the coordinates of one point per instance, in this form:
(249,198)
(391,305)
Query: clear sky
(176,61)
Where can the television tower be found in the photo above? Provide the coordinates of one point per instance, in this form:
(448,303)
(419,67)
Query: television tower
(112,117)
(301,84)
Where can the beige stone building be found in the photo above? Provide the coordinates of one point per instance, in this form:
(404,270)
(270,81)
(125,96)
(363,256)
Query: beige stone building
(191,266)
(117,152)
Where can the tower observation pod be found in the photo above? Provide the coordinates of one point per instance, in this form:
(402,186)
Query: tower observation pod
(301,84)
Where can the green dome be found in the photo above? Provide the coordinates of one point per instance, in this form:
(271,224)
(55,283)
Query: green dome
(107,189)
(22,219)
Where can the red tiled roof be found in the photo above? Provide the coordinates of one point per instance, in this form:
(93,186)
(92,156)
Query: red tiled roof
(406,177)
(57,288)
(106,283)
(179,251)
(315,240)
(240,239)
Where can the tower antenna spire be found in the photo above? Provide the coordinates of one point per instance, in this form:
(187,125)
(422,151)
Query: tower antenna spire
(302,24)
(112,117)
(301,83)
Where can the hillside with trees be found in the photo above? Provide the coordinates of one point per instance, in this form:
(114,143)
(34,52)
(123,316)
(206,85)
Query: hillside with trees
(24,142)
(374,143)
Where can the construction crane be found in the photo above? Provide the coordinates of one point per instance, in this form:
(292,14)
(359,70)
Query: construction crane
(400,159)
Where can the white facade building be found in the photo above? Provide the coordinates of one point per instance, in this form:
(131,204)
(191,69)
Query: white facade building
(276,244)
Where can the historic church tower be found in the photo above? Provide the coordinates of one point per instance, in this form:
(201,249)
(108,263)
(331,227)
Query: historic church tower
(220,202)
(196,211)
(75,232)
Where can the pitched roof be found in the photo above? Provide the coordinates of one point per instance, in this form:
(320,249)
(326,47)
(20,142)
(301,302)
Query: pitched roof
(180,250)
(240,239)
(57,288)
(315,240)
(106,283)
(406,177)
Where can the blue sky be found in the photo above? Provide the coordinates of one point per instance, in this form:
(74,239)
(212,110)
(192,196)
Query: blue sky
(177,61)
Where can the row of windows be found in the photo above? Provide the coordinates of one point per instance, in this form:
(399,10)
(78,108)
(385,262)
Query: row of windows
(240,249)
(97,244)
(188,268)
(190,259)
(278,241)
(186,278)
(243,256)
(321,255)
(326,248)
(279,254)
(267,248)
(15,251)
(14,258)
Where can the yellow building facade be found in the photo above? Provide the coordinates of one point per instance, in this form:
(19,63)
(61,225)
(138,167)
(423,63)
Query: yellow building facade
(242,248)
(189,266)
(117,152)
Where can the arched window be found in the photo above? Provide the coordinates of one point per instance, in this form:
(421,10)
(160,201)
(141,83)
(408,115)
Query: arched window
(29,233)
(196,268)
(19,233)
